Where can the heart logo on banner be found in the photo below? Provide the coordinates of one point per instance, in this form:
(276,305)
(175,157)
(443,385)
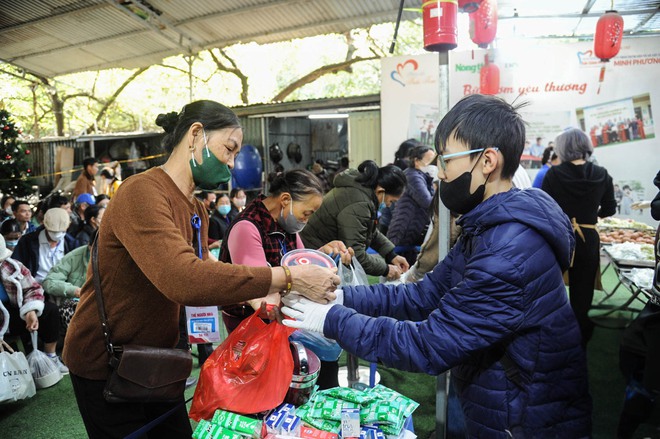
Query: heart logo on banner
(588,53)
(397,74)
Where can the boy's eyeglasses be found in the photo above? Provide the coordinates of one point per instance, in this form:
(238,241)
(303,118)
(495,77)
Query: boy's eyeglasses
(443,159)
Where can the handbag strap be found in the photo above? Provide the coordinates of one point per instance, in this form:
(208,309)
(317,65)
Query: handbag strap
(99,297)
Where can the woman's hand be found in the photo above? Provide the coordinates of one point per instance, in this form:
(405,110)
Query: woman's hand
(334,248)
(31,321)
(314,282)
(271,299)
(400,262)
(266,309)
(394,272)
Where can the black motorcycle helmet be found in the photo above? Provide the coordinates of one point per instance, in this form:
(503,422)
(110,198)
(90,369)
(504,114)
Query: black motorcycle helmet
(275,152)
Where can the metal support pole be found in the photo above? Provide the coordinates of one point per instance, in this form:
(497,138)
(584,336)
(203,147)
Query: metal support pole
(353,369)
(190,59)
(444,220)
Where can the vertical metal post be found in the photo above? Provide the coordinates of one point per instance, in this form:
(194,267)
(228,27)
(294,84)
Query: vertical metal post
(352,367)
(442,383)
(189,59)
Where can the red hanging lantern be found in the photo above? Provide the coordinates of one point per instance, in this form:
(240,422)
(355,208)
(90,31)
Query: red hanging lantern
(440,30)
(468,5)
(489,78)
(608,36)
(607,40)
(483,23)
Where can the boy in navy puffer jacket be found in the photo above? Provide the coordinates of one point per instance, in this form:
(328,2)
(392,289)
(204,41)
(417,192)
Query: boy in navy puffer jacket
(495,310)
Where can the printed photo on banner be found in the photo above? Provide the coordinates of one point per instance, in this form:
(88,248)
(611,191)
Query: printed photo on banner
(618,121)
(542,128)
(423,119)
(626,193)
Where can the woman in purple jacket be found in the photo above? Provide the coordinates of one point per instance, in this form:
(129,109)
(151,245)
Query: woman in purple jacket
(412,215)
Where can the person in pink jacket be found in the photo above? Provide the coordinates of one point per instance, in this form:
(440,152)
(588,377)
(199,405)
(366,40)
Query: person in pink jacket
(23,309)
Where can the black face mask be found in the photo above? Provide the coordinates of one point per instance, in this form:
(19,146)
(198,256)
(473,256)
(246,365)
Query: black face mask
(456,196)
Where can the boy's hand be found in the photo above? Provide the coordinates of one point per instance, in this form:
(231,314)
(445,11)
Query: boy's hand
(394,272)
(401,262)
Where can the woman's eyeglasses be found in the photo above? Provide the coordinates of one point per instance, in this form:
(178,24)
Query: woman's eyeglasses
(444,159)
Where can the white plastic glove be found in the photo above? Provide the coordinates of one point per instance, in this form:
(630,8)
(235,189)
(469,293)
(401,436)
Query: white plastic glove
(307,314)
(340,297)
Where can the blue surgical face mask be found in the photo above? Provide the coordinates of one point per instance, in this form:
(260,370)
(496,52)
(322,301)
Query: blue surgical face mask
(223,209)
(11,244)
(382,206)
(291,224)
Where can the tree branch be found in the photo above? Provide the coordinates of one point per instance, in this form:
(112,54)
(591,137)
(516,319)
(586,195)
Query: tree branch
(185,72)
(15,75)
(114,96)
(343,66)
(234,70)
(373,45)
(83,94)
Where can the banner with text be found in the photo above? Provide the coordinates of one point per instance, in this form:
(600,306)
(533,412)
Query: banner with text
(566,85)
(408,101)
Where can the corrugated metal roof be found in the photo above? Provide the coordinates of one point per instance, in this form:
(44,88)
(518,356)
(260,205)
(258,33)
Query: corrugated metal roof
(55,37)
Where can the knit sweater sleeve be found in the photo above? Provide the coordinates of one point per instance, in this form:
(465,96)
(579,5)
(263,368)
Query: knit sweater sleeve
(162,248)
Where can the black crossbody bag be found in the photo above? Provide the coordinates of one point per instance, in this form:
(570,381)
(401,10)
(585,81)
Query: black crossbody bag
(140,374)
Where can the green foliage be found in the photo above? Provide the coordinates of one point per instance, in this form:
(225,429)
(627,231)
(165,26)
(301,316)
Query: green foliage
(269,69)
(14,163)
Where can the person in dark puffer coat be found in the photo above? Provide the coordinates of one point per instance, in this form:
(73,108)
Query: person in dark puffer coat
(349,213)
(495,310)
(412,215)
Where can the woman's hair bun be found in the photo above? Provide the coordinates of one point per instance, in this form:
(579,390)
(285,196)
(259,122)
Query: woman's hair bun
(168,121)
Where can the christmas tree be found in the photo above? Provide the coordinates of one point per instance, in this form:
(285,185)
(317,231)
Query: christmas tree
(14,164)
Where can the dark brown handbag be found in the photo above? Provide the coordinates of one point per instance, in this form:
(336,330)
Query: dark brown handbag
(140,373)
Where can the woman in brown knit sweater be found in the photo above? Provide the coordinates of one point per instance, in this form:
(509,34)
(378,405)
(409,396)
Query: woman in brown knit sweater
(151,263)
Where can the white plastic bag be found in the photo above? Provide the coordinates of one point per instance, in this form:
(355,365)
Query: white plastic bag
(44,371)
(16,381)
(324,348)
(352,276)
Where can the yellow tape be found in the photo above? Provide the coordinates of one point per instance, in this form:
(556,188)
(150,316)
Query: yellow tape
(31,177)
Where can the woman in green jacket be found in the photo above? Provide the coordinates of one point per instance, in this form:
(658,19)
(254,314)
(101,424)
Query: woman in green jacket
(350,213)
(64,280)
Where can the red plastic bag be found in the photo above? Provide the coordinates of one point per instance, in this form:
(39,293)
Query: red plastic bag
(249,372)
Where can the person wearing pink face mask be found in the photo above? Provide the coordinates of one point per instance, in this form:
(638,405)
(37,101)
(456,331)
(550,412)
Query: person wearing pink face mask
(238,200)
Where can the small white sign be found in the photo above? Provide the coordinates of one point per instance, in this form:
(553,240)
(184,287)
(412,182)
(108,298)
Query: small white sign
(202,323)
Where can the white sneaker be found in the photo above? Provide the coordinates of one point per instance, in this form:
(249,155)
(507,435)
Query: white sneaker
(63,369)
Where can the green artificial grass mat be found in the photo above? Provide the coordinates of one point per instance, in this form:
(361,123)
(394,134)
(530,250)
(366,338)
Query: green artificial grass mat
(52,413)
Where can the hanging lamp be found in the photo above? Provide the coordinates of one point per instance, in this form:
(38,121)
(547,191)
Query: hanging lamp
(483,23)
(607,39)
(468,5)
(440,28)
(489,78)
